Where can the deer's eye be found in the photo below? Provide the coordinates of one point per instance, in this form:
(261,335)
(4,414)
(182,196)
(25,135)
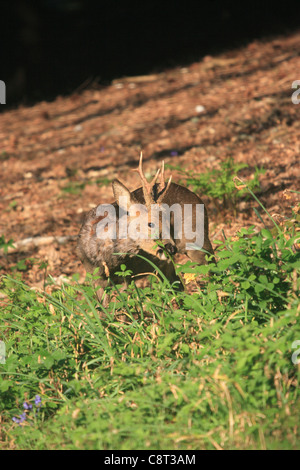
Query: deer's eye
(151,225)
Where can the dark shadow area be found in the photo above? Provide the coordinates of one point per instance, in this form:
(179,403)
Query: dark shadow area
(51,47)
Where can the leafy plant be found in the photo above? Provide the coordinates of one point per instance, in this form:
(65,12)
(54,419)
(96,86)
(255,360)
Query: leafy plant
(13,205)
(4,245)
(219,183)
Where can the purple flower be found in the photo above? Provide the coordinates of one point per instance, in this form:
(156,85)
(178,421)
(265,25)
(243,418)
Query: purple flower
(174,153)
(37,401)
(27,406)
(21,418)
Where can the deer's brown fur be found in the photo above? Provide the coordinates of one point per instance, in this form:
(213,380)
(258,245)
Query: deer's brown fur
(100,253)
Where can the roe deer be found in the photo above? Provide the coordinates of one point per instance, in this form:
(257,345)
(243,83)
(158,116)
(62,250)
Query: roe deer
(109,236)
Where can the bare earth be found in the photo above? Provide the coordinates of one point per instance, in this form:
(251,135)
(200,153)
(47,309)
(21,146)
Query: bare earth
(58,158)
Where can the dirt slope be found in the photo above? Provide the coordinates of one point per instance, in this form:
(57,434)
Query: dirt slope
(57,158)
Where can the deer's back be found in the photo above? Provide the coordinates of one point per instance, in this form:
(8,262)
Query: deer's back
(95,252)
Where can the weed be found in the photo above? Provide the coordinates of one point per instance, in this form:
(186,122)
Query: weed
(4,245)
(219,183)
(103,181)
(13,205)
(73,187)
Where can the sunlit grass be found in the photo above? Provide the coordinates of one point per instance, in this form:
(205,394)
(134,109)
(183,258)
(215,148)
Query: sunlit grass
(160,369)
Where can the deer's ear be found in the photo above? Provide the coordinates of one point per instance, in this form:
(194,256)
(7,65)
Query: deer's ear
(122,195)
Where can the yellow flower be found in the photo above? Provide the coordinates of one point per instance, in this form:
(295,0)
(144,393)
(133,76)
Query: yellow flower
(189,277)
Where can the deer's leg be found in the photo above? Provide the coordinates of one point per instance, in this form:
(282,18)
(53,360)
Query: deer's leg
(102,296)
(198,256)
(105,298)
(169,271)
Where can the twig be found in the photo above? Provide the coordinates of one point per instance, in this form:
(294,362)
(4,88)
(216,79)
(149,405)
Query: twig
(32,242)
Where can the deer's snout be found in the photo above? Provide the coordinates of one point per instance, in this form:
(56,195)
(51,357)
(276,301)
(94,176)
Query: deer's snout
(170,248)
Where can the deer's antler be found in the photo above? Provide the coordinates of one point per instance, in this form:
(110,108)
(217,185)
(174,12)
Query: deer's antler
(148,188)
(162,188)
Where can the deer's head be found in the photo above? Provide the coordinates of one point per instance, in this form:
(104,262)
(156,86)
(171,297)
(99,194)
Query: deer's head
(144,221)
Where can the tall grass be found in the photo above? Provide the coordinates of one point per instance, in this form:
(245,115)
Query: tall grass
(160,369)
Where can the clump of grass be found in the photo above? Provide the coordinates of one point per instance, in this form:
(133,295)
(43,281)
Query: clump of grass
(73,187)
(219,183)
(103,181)
(213,369)
(76,187)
